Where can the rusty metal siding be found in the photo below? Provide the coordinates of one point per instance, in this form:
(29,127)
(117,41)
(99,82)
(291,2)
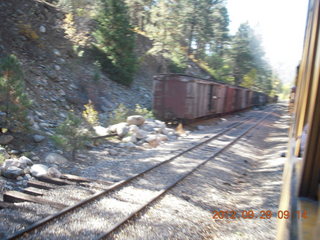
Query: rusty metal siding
(158,97)
(221,91)
(230,96)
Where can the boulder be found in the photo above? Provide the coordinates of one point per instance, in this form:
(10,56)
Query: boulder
(121,129)
(54,172)
(131,139)
(149,126)
(135,120)
(38,138)
(160,124)
(140,134)
(5,139)
(55,158)
(153,140)
(101,131)
(14,163)
(133,129)
(12,172)
(25,160)
(39,170)
(162,137)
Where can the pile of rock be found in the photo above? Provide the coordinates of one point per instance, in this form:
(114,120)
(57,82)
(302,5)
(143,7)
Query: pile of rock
(23,169)
(138,131)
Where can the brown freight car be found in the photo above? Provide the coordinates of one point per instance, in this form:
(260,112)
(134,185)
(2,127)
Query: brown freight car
(179,96)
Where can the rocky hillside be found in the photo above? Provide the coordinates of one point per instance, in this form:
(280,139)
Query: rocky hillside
(59,75)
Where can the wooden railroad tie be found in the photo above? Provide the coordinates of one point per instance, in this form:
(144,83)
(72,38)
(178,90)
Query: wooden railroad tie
(15,196)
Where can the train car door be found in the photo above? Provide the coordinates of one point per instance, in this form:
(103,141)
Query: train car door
(212,99)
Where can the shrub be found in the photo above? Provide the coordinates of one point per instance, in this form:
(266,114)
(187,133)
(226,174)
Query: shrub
(14,101)
(121,113)
(72,134)
(90,114)
(143,112)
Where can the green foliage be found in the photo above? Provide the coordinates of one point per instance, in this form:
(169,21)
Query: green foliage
(115,42)
(72,134)
(249,79)
(90,114)
(143,112)
(121,113)
(175,68)
(13,98)
(2,158)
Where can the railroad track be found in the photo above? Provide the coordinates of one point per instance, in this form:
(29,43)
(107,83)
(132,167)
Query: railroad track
(141,189)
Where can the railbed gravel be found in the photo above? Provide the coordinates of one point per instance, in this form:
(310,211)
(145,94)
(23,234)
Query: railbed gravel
(88,224)
(123,166)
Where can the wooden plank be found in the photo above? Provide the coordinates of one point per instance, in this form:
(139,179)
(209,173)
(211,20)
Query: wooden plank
(55,181)
(39,184)
(75,178)
(15,196)
(32,191)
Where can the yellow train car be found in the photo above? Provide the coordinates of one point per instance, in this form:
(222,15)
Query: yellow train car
(300,193)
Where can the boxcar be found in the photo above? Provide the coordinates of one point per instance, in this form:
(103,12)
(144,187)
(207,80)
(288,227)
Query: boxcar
(185,97)
(179,96)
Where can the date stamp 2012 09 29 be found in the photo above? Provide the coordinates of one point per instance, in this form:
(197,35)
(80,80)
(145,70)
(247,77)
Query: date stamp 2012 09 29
(263,214)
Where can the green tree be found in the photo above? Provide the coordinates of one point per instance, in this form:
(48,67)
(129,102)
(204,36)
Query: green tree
(247,55)
(72,134)
(14,101)
(115,41)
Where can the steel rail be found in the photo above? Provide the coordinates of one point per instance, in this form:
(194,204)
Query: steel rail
(162,192)
(117,185)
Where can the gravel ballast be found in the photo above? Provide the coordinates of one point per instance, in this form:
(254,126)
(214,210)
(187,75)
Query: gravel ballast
(185,214)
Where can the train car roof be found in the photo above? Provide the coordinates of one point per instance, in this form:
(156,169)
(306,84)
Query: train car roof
(197,78)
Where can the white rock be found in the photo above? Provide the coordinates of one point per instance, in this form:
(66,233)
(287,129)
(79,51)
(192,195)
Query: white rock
(28,176)
(54,172)
(14,163)
(140,134)
(57,67)
(27,170)
(56,52)
(133,129)
(149,125)
(135,120)
(121,129)
(153,140)
(131,139)
(39,170)
(20,178)
(42,29)
(25,160)
(146,145)
(162,137)
(55,158)
(101,131)
(160,124)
